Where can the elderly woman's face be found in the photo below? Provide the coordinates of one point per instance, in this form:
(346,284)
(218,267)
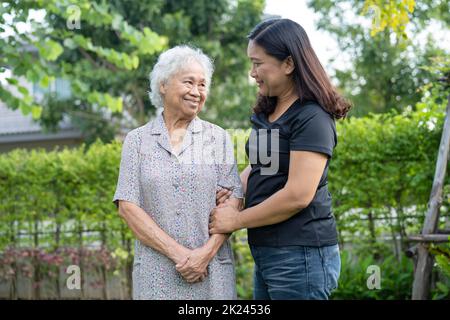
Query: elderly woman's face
(185,92)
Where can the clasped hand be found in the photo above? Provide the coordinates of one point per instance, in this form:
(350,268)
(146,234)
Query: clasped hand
(193,266)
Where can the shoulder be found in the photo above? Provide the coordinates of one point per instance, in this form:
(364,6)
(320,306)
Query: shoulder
(135,135)
(258,120)
(312,113)
(212,129)
(313,129)
(313,109)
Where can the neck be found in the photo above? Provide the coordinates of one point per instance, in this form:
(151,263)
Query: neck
(174,122)
(286,99)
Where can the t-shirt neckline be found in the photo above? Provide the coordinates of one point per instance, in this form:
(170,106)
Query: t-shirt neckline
(266,117)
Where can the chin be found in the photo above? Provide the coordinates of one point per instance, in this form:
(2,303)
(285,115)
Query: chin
(262,92)
(191,112)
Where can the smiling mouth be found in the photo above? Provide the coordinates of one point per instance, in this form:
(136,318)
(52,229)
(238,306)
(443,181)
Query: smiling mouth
(192,102)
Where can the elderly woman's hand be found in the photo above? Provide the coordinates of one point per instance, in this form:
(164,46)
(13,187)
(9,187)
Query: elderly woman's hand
(195,267)
(224,219)
(222,195)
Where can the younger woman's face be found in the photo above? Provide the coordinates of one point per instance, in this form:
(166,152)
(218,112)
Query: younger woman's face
(272,75)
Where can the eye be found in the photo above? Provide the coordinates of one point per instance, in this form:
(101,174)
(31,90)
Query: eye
(188,84)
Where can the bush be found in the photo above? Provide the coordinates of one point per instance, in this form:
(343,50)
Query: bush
(396,276)
(381,171)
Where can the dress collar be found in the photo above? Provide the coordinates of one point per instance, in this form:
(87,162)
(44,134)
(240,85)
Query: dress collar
(159,126)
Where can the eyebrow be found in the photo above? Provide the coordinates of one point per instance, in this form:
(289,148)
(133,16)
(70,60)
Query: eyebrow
(193,78)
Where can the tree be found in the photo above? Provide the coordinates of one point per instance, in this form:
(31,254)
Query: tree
(395,14)
(220,28)
(106,49)
(386,69)
(66,45)
(392,14)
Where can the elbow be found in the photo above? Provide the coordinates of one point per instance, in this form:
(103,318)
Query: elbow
(122,213)
(124,209)
(300,200)
(301,203)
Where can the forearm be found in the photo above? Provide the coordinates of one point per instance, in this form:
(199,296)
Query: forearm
(214,243)
(236,203)
(244,177)
(148,232)
(279,207)
(216,240)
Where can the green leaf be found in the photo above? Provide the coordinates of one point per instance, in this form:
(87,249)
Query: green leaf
(23,90)
(70,43)
(36,111)
(12,81)
(25,108)
(32,76)
(117,20)
(50,50)
(135,62)
(45,81)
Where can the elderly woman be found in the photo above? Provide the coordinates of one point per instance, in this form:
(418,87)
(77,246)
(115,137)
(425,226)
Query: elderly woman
(170,171)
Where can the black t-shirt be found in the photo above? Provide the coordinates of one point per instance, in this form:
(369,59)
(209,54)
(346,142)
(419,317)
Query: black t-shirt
(303,127)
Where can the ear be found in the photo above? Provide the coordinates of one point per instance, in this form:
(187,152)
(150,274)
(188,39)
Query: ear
(289,65)
(162,88)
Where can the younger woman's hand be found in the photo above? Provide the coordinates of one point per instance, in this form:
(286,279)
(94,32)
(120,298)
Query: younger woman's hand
(223,195)
(224,219)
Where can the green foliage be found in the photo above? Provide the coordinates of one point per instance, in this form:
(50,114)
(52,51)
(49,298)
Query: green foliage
(67,190)
(391,14)
(396,277)
(244,265)
(107,59)
(382,169)
(384,72)
(442,257)
(386,159)
(67,50)
(442,254)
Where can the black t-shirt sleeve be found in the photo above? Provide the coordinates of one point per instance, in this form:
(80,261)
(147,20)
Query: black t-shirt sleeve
(315,131)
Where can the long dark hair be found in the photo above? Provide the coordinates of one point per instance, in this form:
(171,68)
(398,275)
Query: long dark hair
(281,38)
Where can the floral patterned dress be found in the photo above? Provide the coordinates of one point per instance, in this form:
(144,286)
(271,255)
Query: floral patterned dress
(178,191)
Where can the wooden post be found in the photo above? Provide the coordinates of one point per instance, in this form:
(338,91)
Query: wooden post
(57,240)
(421,285)
(129,271)
(435,238)
(103,268)
(37,263)
(81,256)
(15,280)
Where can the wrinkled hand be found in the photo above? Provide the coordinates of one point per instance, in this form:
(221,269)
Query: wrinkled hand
(222,195)
(224,219)
(194,268)
(181,255)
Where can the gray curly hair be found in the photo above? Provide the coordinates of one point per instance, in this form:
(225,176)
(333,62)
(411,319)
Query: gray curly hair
(172,61)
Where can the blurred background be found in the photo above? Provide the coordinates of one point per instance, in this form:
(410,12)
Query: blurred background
(74,81)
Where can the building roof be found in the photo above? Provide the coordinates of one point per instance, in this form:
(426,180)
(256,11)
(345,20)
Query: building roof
(17,127)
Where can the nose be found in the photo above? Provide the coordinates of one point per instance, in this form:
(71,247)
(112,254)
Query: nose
(194,91)
(253,72)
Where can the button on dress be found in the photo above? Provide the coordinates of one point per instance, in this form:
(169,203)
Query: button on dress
(178,191)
